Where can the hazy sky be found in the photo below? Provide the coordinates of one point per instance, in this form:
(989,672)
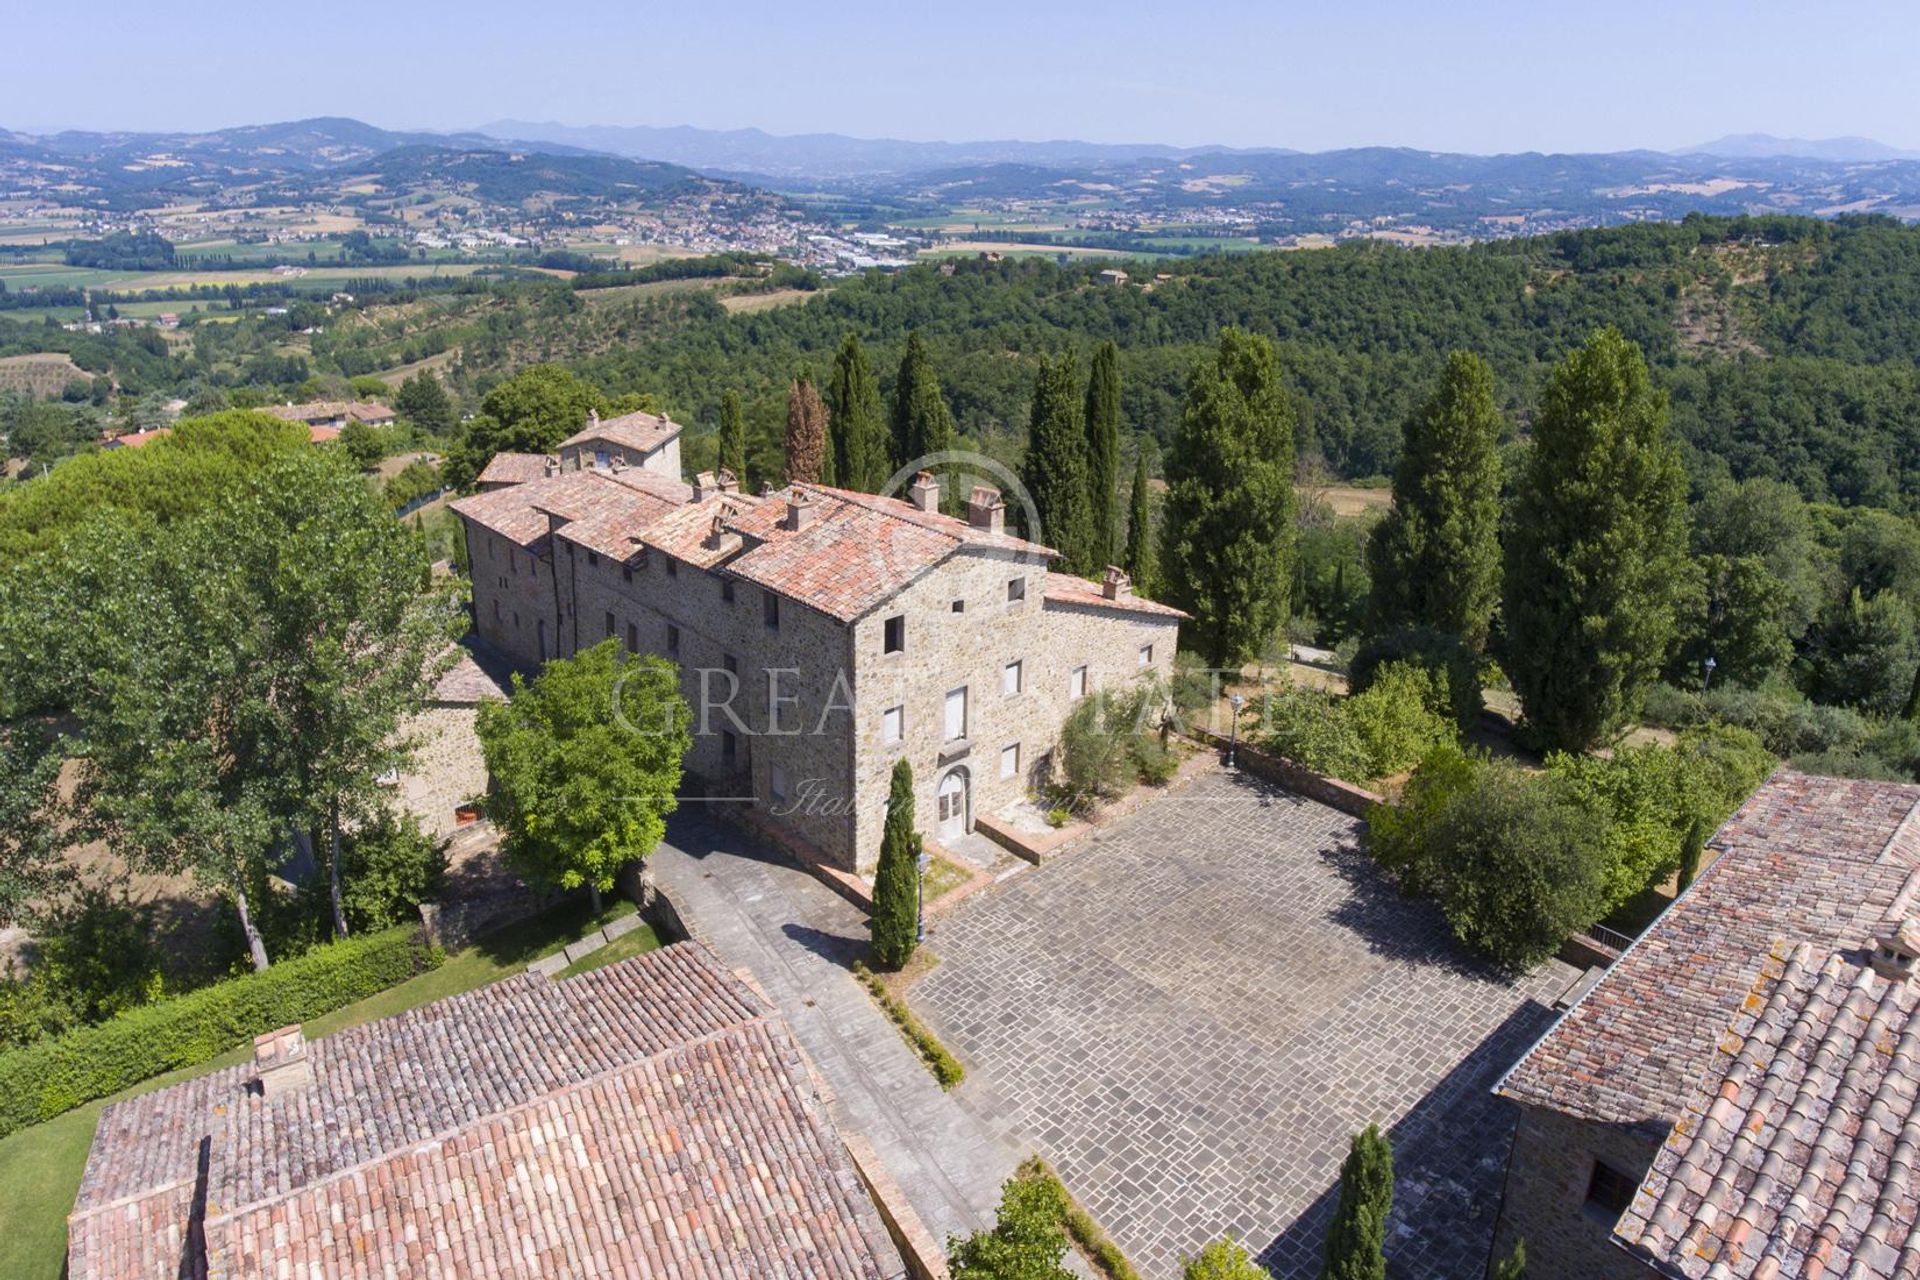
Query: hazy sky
(1471,75)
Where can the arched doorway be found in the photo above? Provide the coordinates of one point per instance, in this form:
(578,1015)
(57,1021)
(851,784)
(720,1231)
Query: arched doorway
(952,804)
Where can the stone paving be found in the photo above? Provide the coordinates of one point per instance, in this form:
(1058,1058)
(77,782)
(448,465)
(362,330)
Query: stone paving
(1190,1014)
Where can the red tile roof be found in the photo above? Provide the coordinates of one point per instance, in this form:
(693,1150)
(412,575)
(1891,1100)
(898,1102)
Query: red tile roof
(1820,860)
(331,410)
(649,1119)
(1796,1154)
(134,439)
(641,432)
(513,468)
(1062,588)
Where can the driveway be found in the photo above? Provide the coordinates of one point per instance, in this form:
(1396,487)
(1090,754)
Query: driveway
(1191,1012)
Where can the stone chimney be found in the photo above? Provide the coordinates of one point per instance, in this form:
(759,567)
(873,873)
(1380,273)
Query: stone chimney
(593,417)
(705,486)
(552,466)
(1895,953)
(925,492)
(801,509)
(719,537)
(728,482)
(985,510)
(1116,585)
(280,1061)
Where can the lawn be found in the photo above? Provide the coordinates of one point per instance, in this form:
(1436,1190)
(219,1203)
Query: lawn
(40,1167)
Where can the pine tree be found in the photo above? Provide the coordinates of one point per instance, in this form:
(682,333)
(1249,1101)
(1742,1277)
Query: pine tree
(1599,547)
(1055,471)
(733,437)
(921,423)
(1103,454)
(806,432)
(1357,1237)
(1435,558)
(1227,545)
(859,420)
(1140,559)
(896,881)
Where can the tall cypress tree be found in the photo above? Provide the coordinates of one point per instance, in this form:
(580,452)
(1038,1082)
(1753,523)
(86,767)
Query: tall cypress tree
(1598,550)
(806,432)
(1357,1237)
(1103,454)
(733,436)
(859,420)
(1141,563)
(920,421)
(896,881)
(1435,558)
(1055,470)
(1227,545)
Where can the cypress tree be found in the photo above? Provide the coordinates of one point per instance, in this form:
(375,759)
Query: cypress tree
(1055,470)
(1140,557)
(733,437)
(1598,553)
(1435,558)
(896,881)
(859,421)
(921,423)
(1227,544)
(1103,454)
(1356,1240)
(806,432)
(1691,850)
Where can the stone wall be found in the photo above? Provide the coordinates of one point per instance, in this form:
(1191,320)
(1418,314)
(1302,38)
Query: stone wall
(1546,1204)
(514,601)
(1297,778)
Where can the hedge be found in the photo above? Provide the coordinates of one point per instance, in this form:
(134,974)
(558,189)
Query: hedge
(945,1067)
(41,1080)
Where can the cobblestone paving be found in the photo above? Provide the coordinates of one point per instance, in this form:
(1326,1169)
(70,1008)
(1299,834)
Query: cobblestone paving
(1191,1014)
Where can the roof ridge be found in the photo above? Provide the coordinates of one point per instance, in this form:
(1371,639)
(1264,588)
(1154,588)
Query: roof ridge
(442,1135)
(1900,828)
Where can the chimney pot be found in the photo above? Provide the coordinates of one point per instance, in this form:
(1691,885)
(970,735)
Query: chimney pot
(704,485)
(728,482)
(280,1060)
(1116,584)
(1894,953)
(800,509)
(925,492)
(985,510)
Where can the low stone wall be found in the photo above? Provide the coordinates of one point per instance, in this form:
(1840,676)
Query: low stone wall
(553,964)
(1299,779)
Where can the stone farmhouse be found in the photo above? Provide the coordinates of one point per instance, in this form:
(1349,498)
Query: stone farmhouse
(647,1120)
(1739,1096)
(334,413)
(822,634)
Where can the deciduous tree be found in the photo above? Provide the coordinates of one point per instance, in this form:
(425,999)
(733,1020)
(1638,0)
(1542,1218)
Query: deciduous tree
(1228,541)
(1596,550)
(1435,557)
(1027,1241)
(1223,1260)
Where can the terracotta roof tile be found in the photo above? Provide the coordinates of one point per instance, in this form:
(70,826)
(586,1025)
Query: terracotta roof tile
(642,432)
(1062,588)
(513,468)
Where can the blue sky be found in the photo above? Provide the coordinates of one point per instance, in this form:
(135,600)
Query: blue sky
(1472,75)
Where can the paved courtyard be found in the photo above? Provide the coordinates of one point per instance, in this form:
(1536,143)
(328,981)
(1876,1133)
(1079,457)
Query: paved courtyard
(1190,1014)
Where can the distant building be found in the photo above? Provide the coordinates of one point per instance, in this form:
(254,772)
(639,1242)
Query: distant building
(1739,1096)
(136,439)
(334,413)
(650,1120)
(1112,275)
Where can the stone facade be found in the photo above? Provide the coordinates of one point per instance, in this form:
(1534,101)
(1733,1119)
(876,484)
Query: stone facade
(805,695)
(1555,1202)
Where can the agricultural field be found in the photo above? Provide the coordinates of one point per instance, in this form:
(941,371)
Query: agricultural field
(60,276)
(39,375)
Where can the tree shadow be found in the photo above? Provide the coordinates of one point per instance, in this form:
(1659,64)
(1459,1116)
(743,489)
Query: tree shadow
(1449,1157)
(837,948)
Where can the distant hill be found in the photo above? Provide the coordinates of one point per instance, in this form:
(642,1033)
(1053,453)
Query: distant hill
(1751,146)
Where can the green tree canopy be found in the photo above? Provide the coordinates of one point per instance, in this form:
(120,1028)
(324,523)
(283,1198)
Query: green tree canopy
(860,422)
(1026,1242)
(585,760)
(1228,538)
(1435,558)
(896,882)
(921,422)
(1142,562)
(531,412)
(1103,456)
(1596,551)
(1055,470)
(422,401)
(1356,1239)
(1223,1260)
(733,436)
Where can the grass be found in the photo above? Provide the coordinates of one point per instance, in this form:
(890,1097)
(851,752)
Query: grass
(636,943)
(40,1167)
(943,877)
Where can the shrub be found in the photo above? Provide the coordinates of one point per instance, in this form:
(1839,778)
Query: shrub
(1112,738)
(1369,735)
(1026,1243)
(387,869)
(1223,1260)
(1522,865)
(1454,667)
(99,955)
(1400,837)
(1357,1236)
(1306,726)
(55,1075)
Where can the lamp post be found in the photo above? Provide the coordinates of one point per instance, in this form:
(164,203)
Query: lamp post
(1233,731)
(1707,682)
(922,864)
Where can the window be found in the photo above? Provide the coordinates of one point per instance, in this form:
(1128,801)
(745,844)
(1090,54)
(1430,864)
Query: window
(673,640)
(493,548)
(633,638)
(770,609)
(626,573)
(1077,683)
(959,606)
(513,563)
(496,611)
(1146,655)
(777,782)
(957,713)
(726,590)
(895,640)
(593,559)
(610,626)
(731,663)
(1016,590)
(893,724)
(729,748)
(673,567)
(1610,1189)
(1010,677)
(1010,760)
(600,458)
